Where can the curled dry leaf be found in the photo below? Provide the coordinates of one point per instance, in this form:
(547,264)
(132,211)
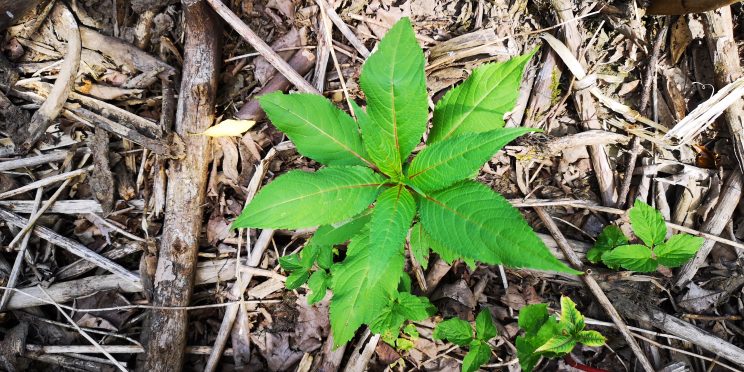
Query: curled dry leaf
(229,127)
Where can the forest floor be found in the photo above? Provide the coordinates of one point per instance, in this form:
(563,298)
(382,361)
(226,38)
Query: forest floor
(102,103)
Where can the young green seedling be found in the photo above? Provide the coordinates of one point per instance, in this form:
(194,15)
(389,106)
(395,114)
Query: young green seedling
(459,332)
(614,250)
(545,336)
(367,163)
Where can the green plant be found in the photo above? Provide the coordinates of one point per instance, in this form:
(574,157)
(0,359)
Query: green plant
(366,162)
(545,336)
(459,332)
(613,249)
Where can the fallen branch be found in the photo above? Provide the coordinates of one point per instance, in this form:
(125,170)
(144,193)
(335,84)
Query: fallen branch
(187,181)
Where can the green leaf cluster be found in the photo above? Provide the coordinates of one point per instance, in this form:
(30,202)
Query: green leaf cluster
(546,336)
(613,248)
(368,171)
(460,332)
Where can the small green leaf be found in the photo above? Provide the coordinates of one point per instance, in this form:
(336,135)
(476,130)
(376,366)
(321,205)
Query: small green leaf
(325,257)
(294,200)
(527,344)
(318,284)
(484,328)
(454,330)
(559,344)
(528,358)
(403,344)
(571,318)
(308,256)
(404,307)
(457,158)
(679,249)
(647,223)
(610,238)
(411,331)
(480,224)
(591,338)
(297,279)
(532,317)
(395,86)
(479,354)
(634,257)
(290,262)
(480,102)
(362,285)
(318,128)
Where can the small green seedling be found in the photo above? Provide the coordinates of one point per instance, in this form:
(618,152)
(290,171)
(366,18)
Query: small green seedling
(459,332)
(613,248)
(367,163)
(545,336)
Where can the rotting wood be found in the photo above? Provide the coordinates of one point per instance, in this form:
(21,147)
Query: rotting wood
(680,7)
(187,183)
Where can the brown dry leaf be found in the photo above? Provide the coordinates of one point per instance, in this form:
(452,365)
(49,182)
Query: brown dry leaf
(312,324)
(681,39)
(113,319)
(275,349)
(218,228)
(230,158)
(698,300)
(386,353)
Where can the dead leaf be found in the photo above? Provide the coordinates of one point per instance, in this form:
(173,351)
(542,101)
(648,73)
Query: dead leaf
(229,127)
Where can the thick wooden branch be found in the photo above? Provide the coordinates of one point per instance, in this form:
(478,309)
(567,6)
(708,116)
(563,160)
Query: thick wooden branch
(187,181)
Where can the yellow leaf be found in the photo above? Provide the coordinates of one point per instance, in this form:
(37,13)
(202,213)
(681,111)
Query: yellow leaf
(229,127)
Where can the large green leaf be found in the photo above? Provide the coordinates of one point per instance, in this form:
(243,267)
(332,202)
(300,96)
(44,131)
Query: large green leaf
(647,223)
(679,249)
(478,223)
(394,84)
(363,284)
(391,219)
(318,128)
(457,158)
(559,344)
(480,102)
(341,232)
(301,199)
(633,257)
(532,317)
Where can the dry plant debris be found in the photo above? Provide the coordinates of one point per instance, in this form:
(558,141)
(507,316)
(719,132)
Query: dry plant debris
(116,199)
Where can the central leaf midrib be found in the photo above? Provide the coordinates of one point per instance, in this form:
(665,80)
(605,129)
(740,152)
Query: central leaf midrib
(305,196)
(328,135)
(445,161)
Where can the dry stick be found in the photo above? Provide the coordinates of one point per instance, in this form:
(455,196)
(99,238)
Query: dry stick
(586,106)
(45,182)
(259,247)
(17,264)
(329,40)
(86,335)
(236,291)
(187,181)
(670,324)
(345,30)
(52,106)
(726,65)
(37,214)
(727,203)
(636,146)
(261,47)
(302,61)
(33,161)
(73,247)
(113,349)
